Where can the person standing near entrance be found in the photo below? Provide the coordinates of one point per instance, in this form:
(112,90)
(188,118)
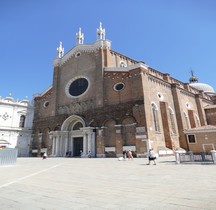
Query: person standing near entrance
(152,156)
(89,154)
(44,156)
(130,155)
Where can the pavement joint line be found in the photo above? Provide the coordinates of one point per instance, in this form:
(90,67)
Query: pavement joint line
(28,176)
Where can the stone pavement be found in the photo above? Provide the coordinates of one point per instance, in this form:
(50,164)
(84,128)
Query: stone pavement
(106,183)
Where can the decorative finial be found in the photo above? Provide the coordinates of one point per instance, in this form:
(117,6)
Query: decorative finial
(60,50)
(100,32)
(80,37)
(193,78)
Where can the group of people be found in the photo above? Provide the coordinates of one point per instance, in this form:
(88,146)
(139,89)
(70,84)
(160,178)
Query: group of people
(128,155)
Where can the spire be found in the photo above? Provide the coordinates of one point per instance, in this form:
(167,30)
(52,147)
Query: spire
(193,78)
(60,50)
(100,32)
(80,37)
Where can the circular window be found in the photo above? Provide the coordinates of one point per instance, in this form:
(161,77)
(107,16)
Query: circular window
(77,54)
(119,86)
(160,96)
(46,104)
(77,87)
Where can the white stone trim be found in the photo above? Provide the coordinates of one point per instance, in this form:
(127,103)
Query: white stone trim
(118,83)
(203,145)
(132,148)
(199,130)
(110,149)
(83,48)
(41,94)
(128,68)
(71,81)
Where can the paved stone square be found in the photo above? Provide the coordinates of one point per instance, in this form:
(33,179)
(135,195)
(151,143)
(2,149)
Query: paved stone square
(106,183)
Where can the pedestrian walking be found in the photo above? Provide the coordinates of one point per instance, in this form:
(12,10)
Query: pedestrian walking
(151,156)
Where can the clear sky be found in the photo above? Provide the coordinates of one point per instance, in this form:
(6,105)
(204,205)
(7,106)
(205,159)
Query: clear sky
(172,36)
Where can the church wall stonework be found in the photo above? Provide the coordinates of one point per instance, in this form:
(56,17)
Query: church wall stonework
(211,115)
(75,68)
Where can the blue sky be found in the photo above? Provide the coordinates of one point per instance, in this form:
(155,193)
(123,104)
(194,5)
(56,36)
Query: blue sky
(172,36)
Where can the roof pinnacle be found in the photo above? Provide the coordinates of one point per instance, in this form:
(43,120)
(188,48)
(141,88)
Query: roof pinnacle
(100,32)
(80,37)
(60,50)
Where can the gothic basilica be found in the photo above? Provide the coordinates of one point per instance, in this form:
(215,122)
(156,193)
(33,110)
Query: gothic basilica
(103,102)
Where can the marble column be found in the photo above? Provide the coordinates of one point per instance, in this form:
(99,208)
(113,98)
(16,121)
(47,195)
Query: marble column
(53,146)
(85,144)
(89,142)
(57,145)
(65,143)
(71,145)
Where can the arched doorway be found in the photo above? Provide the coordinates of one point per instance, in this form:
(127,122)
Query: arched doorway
(74,139)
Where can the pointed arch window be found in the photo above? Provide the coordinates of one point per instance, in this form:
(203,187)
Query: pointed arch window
(172,120)
(186,120)
(22,121)
(197,121)
(155,117)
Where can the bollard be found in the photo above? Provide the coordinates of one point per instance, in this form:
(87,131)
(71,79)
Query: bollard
(177,156)
(191,156)
(213,153)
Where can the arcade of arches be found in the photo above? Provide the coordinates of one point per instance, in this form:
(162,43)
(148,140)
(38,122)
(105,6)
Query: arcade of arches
(73,138)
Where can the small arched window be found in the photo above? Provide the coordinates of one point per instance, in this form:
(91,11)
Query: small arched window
(155,117)
(22,121)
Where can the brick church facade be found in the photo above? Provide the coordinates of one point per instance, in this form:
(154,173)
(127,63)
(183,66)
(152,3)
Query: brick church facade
(104,102)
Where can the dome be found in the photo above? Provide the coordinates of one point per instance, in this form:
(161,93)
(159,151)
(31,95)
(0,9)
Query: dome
(202,86)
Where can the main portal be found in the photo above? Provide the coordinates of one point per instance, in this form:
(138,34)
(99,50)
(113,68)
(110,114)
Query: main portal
(78,146)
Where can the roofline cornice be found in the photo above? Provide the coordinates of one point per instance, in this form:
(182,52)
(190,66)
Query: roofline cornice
(126,69)
(100,44)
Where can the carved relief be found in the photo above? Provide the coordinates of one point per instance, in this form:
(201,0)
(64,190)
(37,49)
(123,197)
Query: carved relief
(5,116)
(75,107)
